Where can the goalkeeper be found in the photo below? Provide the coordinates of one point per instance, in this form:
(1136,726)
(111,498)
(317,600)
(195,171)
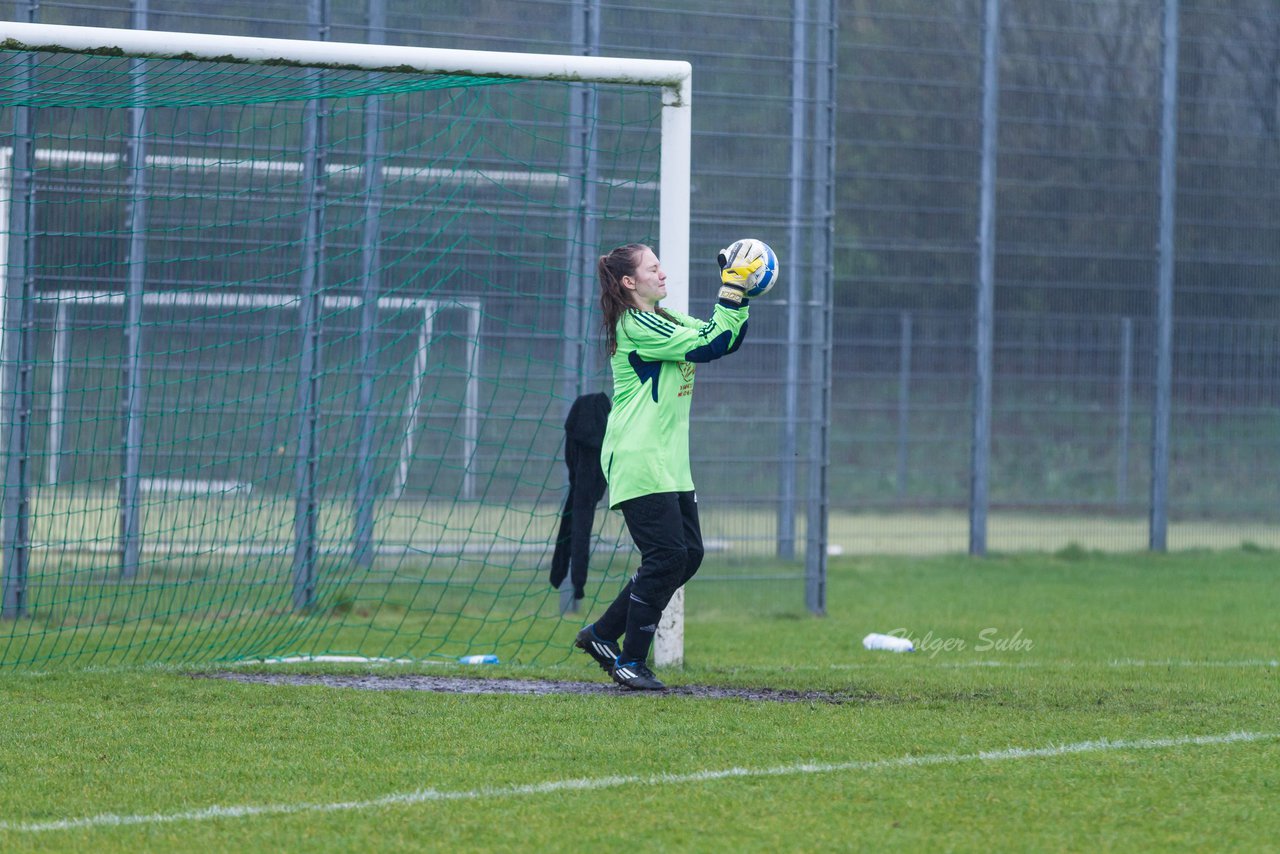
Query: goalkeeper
(645,456)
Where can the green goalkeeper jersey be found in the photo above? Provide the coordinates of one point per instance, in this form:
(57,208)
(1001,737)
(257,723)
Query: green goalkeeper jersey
(646,443)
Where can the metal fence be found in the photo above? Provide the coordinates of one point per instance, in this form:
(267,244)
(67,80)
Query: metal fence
(1049,248)
(1128,343)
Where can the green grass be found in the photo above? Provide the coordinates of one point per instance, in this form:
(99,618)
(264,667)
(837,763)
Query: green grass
(474,580)
(1097,647)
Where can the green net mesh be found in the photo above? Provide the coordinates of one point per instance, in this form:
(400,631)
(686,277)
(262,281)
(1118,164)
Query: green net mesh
(288,354)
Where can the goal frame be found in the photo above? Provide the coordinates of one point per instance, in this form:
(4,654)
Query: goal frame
(673,77)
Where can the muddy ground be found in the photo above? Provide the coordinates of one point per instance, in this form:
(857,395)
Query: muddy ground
(534,687)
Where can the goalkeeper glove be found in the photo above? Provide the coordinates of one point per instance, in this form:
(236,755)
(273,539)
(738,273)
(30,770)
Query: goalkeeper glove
(735,279)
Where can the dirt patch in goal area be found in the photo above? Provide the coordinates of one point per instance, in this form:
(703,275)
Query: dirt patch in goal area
(530,687)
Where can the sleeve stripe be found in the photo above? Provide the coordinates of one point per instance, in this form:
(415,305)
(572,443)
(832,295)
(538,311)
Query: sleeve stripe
(657,322)
(659,326)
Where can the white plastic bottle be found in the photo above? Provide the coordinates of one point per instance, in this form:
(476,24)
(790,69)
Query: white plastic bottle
(892,643)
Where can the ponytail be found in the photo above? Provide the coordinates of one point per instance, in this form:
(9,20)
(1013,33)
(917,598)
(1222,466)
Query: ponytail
(615,298)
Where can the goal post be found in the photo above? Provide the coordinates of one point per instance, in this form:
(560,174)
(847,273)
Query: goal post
(220,198)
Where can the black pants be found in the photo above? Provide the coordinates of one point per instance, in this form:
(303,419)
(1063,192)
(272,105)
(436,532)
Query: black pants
(664,526)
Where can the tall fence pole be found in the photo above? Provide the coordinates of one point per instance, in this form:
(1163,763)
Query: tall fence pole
(370,275)
(130,544)
(577,353)
(984,317)
(1159,524)
(822,285)
(1125,381)
(904,402)
(17,306)
(786,548)
(307,506)
(584,238)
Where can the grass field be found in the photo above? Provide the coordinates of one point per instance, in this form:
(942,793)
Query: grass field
(1059,702)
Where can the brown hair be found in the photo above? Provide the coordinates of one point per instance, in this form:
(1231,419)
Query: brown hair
(615,298)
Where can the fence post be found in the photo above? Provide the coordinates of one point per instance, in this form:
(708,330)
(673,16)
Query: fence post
(1125,381)
(130,544)
(307,509)
(370,278)
(17,303)
(980,464)
(584,233)
(822,284)
(904,399)
(786,546)
(1159,527)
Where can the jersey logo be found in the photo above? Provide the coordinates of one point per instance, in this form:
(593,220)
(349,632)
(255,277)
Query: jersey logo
(645,371)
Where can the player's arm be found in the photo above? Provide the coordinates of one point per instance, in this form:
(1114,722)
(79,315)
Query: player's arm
(658,339)
(655,338)
(734,277)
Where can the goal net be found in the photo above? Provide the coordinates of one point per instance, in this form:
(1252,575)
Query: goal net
(290,332)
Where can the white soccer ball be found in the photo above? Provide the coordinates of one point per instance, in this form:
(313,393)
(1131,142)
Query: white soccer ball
(744,252)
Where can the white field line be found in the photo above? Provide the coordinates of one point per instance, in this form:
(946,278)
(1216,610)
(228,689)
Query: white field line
(587,784)
(1247,662)
(1118,662)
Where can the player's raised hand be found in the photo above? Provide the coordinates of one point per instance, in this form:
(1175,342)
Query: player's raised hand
(735,275)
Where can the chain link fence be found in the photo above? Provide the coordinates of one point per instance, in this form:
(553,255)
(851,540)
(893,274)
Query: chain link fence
(1075,345)
(850,135)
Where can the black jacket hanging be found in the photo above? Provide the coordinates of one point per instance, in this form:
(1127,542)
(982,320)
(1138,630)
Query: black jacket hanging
(583,436)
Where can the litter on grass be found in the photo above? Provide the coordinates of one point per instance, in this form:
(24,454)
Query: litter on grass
(890,643)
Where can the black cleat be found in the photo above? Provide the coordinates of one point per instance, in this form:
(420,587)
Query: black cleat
(635,676)
(604,652)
